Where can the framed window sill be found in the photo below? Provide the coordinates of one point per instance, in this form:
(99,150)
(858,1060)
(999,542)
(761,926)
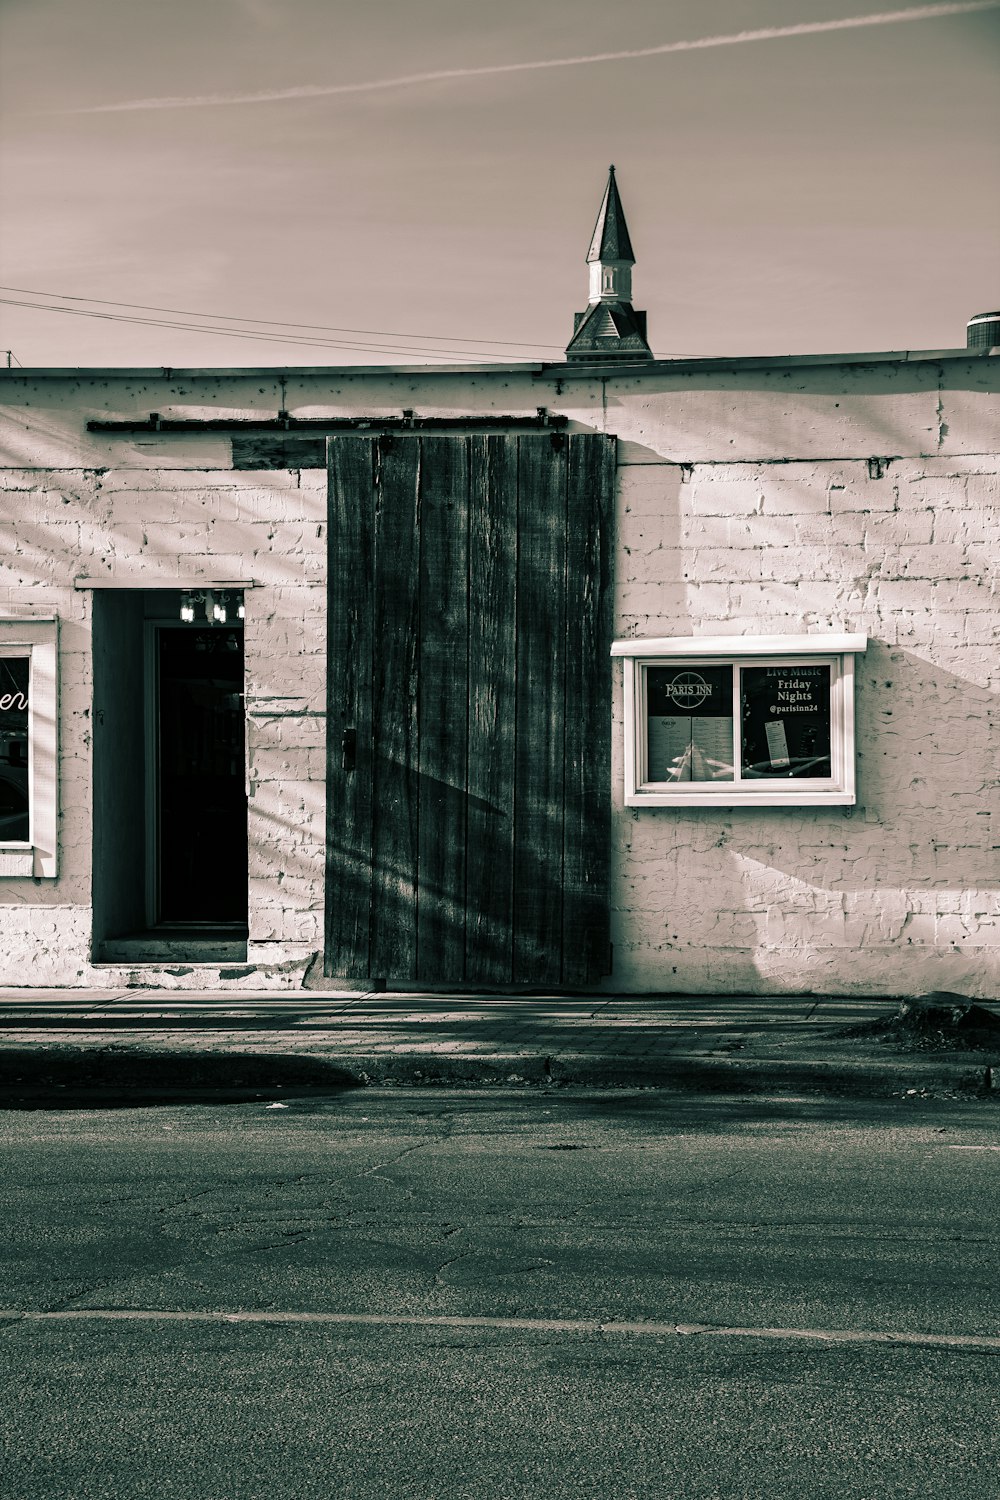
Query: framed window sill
(731,719)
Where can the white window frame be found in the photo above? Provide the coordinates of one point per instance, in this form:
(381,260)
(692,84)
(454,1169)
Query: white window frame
(836,651)
(38,639)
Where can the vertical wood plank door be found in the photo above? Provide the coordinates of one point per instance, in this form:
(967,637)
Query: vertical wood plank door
(469,708)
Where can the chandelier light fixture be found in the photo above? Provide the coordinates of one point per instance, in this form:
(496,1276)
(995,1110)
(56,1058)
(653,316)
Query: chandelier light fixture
(212,606)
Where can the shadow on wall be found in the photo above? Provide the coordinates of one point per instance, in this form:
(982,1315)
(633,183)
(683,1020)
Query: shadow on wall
(897,895)
(818,412)
(461,926)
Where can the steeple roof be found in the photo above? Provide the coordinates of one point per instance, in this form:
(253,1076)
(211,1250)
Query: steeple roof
(609,330)
(611,241)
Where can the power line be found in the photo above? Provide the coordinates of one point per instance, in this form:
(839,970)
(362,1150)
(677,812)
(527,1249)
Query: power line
(278,323)
(270,338)
(300,339)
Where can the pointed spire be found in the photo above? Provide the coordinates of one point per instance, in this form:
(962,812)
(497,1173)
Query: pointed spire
(610,328)
(611,241)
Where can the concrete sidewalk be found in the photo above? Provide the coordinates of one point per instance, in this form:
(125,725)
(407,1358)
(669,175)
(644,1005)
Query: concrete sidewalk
(131,1038)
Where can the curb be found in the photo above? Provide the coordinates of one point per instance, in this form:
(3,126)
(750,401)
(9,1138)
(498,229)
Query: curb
(82,1070)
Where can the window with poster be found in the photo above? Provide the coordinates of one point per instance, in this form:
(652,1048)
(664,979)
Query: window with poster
(764,721)
(28,747)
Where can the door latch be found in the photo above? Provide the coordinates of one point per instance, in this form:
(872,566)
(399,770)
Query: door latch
(349,747)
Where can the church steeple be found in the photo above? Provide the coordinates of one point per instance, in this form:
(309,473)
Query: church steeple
(610,328)
(610,252)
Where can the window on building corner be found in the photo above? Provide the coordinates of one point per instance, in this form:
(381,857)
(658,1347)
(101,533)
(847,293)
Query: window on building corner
(28,748)
(15,819)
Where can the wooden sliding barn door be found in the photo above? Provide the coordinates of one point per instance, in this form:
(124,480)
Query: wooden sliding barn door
(469,708)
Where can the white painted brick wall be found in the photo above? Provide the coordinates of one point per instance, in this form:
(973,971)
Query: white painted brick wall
(900,893)
(136,524)
(897,895)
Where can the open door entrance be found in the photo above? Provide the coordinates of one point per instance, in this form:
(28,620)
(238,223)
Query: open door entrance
(170,812)
(199,791)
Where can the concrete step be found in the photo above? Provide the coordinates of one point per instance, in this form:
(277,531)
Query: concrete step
(177,945)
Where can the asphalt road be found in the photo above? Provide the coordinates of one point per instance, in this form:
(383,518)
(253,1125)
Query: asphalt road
(436,1294)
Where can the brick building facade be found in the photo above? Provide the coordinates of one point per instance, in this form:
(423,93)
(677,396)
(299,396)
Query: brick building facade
(844,507)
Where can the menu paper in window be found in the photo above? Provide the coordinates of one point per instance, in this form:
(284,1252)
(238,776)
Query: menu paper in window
(777,743)
(689,723)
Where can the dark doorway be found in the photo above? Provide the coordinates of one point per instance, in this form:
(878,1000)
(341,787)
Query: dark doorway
(202,811)
(170,809)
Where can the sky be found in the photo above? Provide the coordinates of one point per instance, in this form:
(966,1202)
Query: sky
(249,165)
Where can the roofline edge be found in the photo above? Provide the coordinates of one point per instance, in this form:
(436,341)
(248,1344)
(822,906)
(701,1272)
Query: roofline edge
(556,370)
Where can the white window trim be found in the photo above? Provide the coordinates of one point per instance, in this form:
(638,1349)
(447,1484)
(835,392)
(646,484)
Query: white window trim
(836,651)
(38,639)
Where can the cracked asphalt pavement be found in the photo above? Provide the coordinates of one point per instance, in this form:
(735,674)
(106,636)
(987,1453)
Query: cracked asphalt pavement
(431,1294)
